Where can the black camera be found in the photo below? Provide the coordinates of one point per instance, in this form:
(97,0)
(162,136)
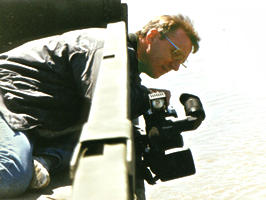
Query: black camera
(163,132)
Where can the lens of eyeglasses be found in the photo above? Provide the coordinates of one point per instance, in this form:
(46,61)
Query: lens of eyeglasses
(179,56)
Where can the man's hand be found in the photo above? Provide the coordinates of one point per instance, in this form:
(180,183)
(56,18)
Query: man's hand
(167,93)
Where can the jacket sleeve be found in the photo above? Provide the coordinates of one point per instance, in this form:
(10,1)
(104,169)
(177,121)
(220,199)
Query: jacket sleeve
(139,101)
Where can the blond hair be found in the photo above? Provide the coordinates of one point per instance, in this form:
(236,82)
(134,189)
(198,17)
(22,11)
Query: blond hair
(169,23)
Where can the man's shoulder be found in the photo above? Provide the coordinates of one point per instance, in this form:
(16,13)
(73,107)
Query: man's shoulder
(132,41)
(83,39)
(77,37)
(92,33)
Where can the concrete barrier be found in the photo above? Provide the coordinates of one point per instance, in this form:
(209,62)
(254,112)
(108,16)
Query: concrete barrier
(103,161)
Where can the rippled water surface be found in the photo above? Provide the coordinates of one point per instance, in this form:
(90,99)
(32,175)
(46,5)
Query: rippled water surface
(229,148)
(228,74)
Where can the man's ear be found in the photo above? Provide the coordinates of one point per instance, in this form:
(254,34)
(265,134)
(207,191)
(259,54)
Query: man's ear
(151,35)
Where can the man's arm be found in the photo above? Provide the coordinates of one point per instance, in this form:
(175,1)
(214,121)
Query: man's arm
(139,102)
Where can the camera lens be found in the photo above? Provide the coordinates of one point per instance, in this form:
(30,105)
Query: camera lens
(158,104)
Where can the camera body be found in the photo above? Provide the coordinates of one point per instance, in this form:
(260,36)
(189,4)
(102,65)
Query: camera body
(163,132)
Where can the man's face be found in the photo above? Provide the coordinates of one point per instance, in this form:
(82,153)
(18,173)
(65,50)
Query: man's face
(161,56)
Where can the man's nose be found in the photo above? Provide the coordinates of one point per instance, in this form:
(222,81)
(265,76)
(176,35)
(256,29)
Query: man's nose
(175,65)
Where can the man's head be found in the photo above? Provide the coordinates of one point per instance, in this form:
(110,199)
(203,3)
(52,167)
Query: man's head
(165,43)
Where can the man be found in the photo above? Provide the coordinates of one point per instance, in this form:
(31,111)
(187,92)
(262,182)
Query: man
(46,89)
(161,46)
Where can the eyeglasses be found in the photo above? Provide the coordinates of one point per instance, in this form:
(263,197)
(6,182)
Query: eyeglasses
(177,53)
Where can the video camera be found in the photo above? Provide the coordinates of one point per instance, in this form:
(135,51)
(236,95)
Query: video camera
(163,132)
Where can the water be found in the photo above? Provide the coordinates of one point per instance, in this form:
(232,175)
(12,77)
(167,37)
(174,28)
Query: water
(228,74)
(229,148)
